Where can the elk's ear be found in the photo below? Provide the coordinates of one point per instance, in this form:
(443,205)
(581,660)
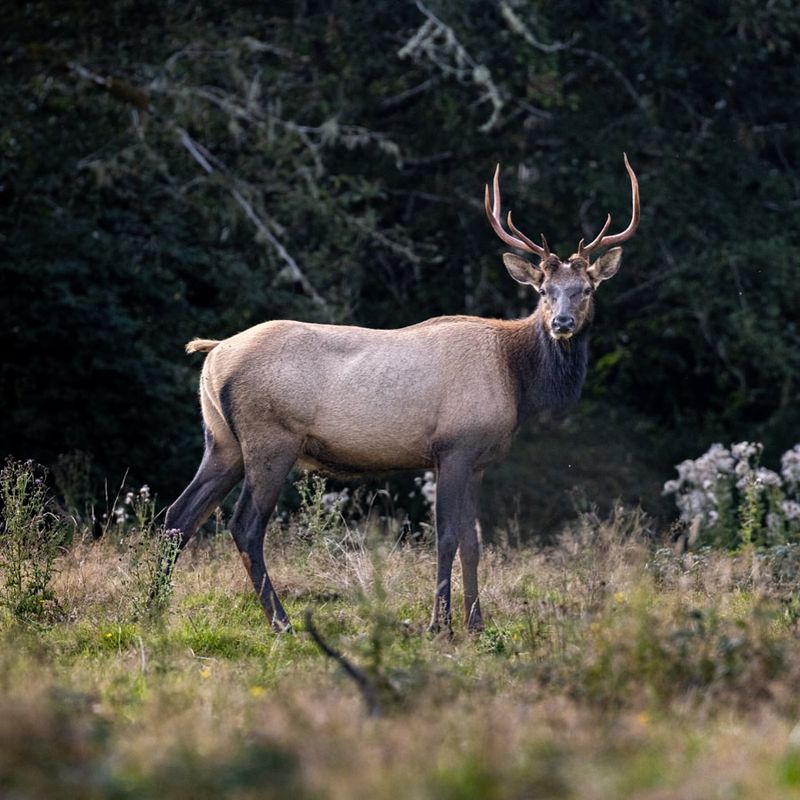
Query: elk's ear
(522,271)
(606,266)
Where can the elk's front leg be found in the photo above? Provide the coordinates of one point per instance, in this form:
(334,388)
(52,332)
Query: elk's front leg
(456,503)
(469,552)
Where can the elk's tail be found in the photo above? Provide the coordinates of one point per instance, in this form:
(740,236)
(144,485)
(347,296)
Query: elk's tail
(201,345)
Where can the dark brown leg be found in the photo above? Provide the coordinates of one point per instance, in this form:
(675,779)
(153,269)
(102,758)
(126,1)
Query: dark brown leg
(456,503)
(469,552)
(265,472)
(219,471)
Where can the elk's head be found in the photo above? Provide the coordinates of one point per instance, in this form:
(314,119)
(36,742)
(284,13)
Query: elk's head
(567,286)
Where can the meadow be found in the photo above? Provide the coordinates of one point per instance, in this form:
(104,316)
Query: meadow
(178,169)
(612,666)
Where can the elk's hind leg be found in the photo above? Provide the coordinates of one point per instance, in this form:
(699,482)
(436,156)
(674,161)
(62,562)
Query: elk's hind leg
(266,468)
(219,471)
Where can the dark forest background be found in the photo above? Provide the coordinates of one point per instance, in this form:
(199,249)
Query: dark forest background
(180,169)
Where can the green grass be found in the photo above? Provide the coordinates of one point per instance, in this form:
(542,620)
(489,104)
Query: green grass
(609,668)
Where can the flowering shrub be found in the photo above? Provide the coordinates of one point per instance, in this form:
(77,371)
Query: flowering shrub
(737,501)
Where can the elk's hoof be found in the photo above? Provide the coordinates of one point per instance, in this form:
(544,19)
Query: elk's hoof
(436,629)
(282,626)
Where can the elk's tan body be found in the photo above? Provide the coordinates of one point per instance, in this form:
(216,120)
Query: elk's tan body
(446,394)
(363,400)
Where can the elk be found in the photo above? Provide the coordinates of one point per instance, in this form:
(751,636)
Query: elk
(446,394)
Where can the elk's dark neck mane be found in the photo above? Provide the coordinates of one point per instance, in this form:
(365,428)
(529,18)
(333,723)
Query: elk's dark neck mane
(548,374)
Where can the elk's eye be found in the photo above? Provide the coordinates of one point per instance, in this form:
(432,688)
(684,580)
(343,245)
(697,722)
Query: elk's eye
(587,291)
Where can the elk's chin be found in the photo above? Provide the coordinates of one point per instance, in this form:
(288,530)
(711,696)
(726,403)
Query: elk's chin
(561,335)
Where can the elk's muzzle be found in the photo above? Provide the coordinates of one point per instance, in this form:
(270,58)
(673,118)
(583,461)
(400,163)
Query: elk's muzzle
(563,325)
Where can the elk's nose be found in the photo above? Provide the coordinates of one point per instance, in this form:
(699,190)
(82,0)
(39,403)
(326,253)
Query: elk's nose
(563,323)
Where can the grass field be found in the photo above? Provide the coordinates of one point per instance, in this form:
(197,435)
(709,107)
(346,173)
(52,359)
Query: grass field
(610,668)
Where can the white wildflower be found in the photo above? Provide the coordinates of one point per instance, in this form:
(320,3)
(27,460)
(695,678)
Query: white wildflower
(790,466)
(719,458)
(759,479)
(333,501)
(744,451)
(429,487)
(791,510)
(767,477)
(700,482)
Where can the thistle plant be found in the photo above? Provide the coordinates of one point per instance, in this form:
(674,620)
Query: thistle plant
(31,539)
(735,500)
(320,510)
(152,552)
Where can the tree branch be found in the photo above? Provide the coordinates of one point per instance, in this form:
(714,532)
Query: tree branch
(203,157)
(358,676)
(593,55)
(519,27)
(438,42)
(140,99)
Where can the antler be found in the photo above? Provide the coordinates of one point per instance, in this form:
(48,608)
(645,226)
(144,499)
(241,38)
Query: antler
(520,241)
(601,240)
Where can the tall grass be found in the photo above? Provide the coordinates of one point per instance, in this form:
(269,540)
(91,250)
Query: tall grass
(611,666)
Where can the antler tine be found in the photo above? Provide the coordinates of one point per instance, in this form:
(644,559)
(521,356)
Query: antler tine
(535,247)
(607,241)
(493,215)
(585,249)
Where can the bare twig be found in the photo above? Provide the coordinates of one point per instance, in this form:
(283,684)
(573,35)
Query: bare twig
(519,27)
(397,247)
(294,269)
(204,158)
(401,97)
(438,43)
(593,55)
(118,89)
(359,676)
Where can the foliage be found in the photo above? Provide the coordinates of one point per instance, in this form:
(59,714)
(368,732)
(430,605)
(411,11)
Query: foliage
(31,538)
(735,500)
(153,552)
(320,510)
(597,650)
(327,163)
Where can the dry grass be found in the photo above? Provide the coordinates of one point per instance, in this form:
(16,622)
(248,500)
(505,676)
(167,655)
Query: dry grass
(610,668)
